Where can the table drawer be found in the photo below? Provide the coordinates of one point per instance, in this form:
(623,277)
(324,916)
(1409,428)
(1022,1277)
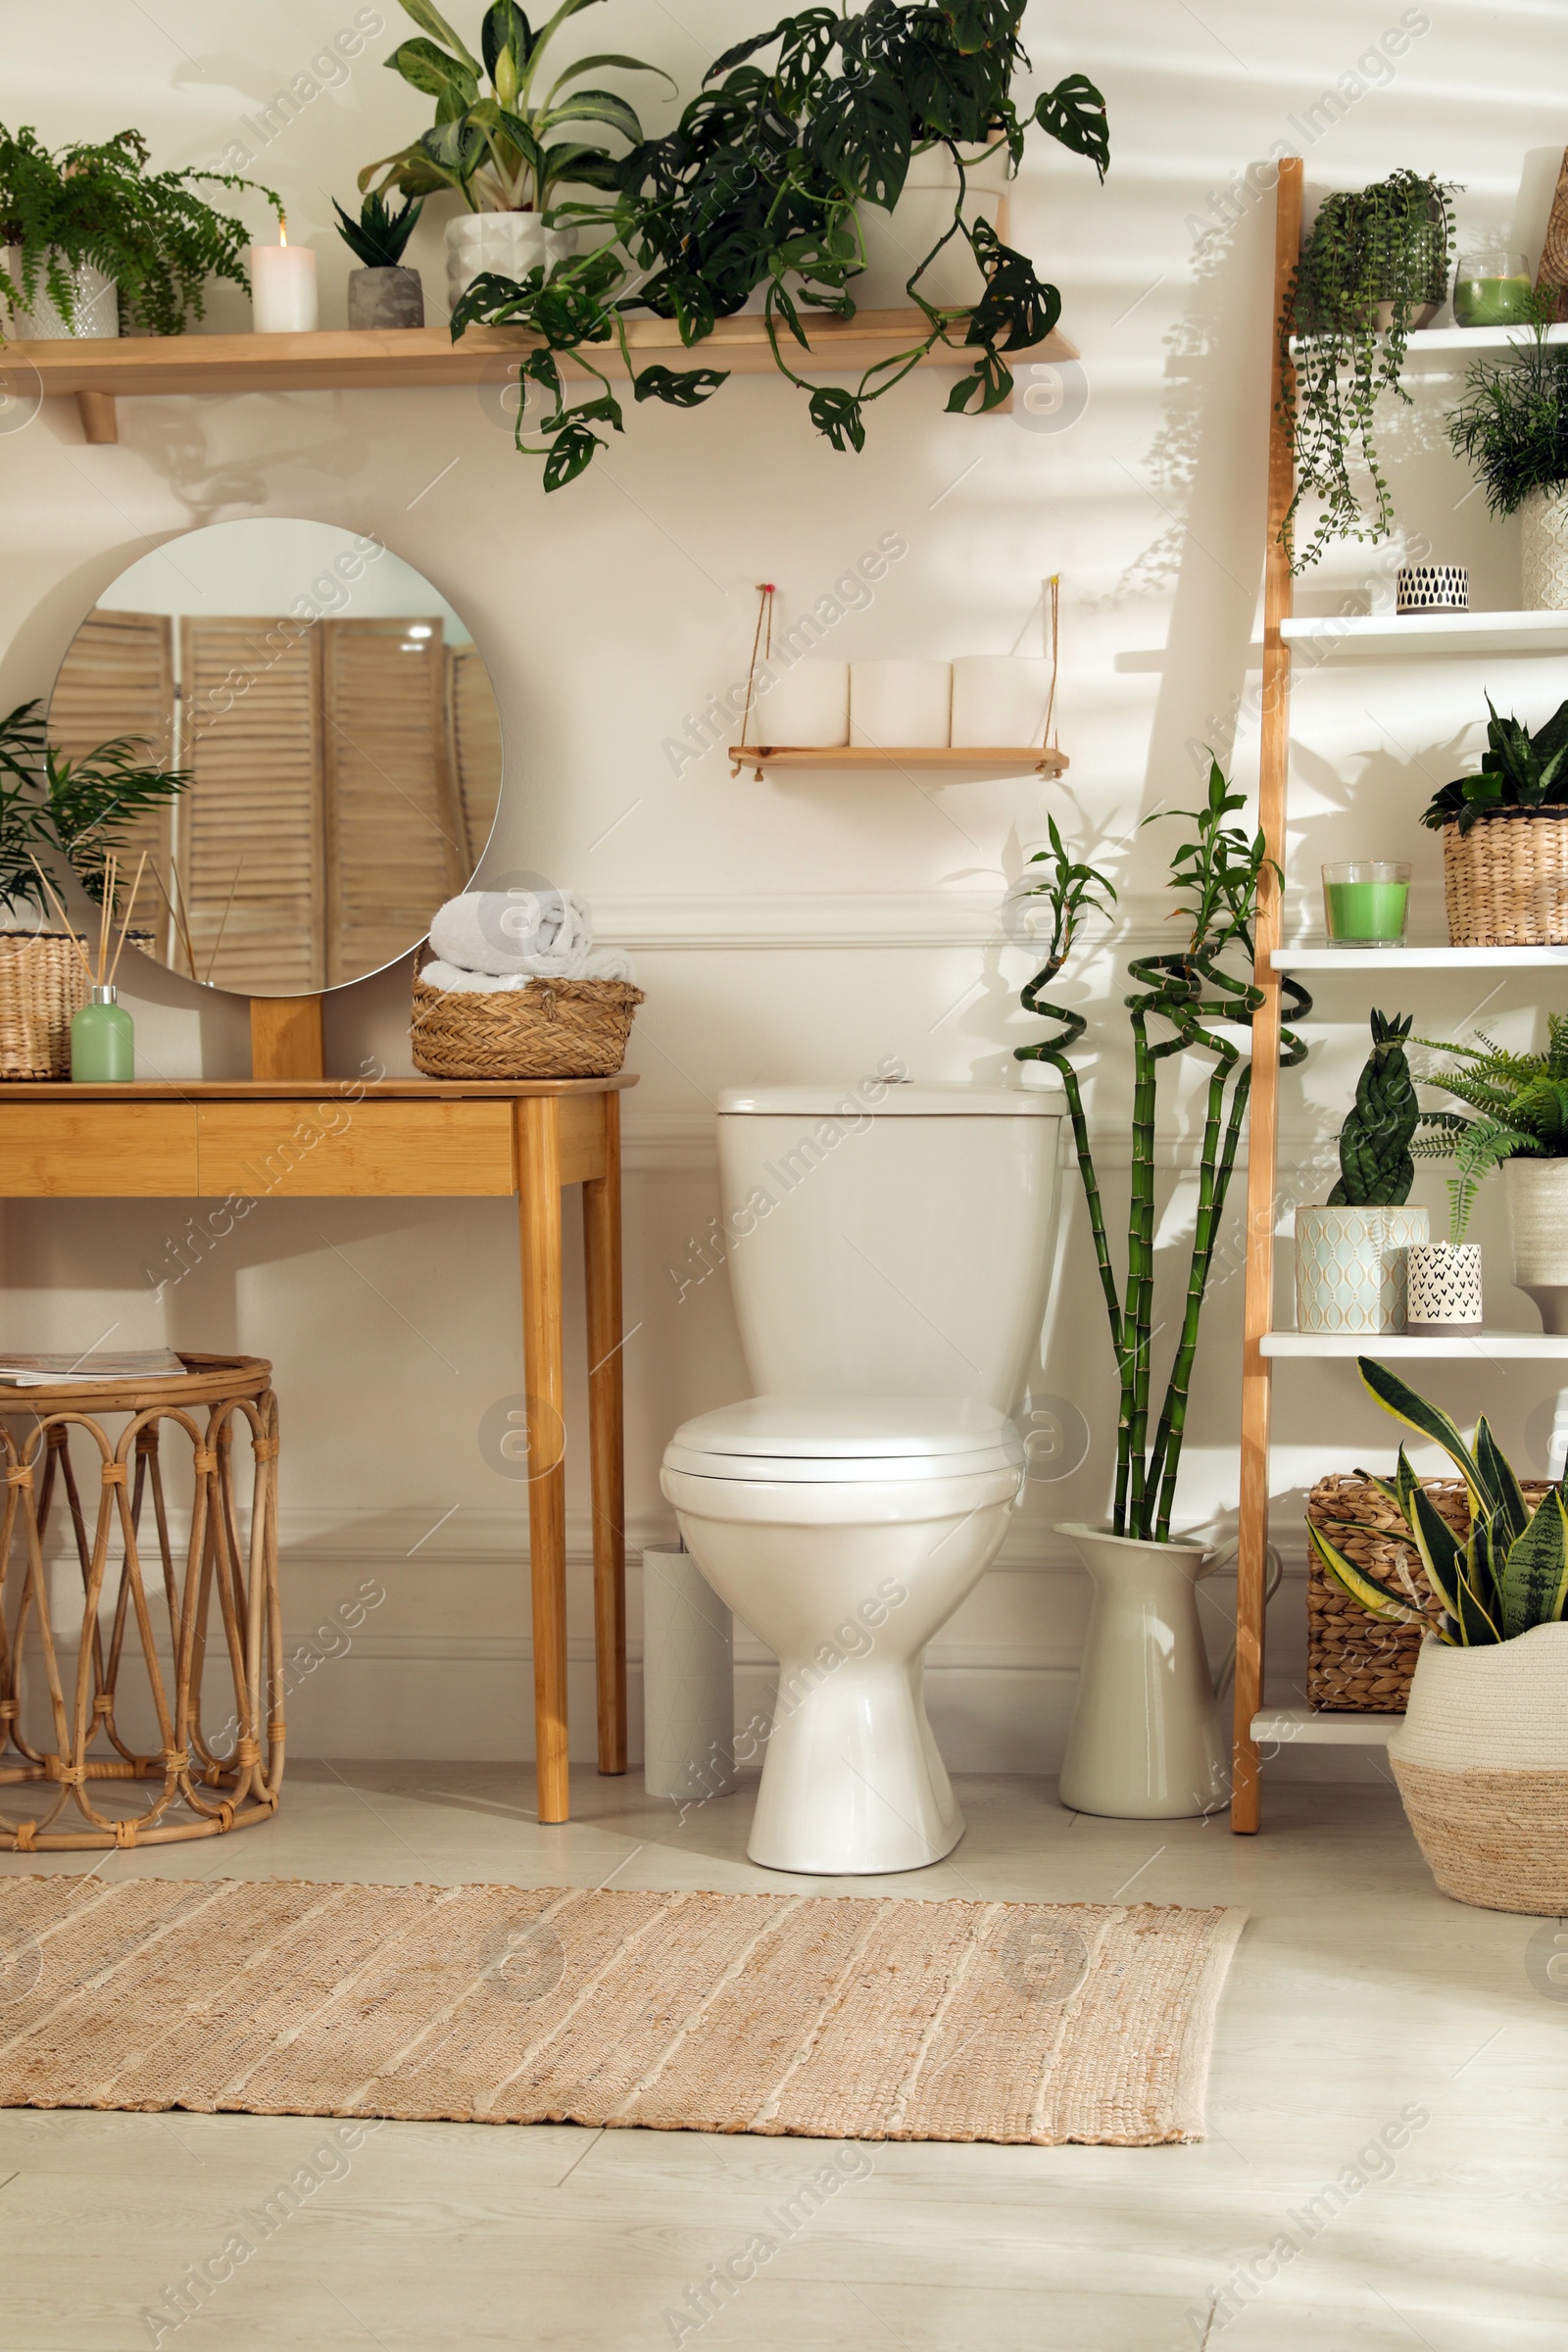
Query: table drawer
(97,1150)
(344,1149)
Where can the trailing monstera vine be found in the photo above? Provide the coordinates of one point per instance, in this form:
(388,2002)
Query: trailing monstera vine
(758,192)
(1182,997)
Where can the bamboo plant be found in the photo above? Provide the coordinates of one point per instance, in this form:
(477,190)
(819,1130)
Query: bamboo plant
(1508,1577)
(1180,997)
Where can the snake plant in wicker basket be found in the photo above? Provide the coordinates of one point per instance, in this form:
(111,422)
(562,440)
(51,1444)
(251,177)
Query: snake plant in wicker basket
(1182,997)
(1512,1573)
(1376,1167)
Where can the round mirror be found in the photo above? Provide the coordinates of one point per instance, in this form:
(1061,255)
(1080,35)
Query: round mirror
(339,735)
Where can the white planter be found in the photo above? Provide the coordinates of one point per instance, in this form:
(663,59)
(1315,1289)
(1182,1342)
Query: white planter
(1442,1281)
(1001,699)
(95,301)
(1482,1764)
(900,705)
(1145,1742)
(1543,550)
(805,709)
(1350,1267)
(1537,1224)
(897,242)
(688,1681)
(509,243)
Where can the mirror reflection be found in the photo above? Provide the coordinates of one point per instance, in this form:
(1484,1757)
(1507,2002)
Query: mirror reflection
(340,737)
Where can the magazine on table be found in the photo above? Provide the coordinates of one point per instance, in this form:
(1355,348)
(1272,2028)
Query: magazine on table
(59,1371)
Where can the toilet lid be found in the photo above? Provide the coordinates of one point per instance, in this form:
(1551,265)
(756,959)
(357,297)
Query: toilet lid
(815,1439)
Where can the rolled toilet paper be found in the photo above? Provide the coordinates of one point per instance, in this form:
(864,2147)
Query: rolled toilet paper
(688,1681)
(900,705)
(806,708)
(1000,698)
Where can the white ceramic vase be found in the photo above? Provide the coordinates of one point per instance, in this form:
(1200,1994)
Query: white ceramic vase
(1481,1763)
(1145,1742)
(1350,1267)
(1443,1287)
(688,1680)
(1537,1223)
(900,705)
(95,305)
(509,243)
(1543,550)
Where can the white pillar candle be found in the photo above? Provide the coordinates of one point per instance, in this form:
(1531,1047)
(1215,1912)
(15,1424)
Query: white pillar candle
(1000,698)
(283,287)
(688,1681)
(806,708)
(900,706)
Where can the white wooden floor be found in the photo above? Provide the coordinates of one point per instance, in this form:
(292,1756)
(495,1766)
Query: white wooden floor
(1359,1996)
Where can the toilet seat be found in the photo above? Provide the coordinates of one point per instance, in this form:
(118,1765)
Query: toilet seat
(846,1442)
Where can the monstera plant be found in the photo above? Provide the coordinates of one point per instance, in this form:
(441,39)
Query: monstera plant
(758,190)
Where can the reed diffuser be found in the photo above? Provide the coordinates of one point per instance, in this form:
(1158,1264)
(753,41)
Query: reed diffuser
(103,1036)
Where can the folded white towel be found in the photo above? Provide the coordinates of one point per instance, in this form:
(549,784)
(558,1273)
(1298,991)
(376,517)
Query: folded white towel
(594,963)
(537,932)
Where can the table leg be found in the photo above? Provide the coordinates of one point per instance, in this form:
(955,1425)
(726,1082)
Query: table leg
(539,1215)
(600,1234)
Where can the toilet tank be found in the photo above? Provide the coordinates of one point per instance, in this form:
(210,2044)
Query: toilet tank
(890,1240)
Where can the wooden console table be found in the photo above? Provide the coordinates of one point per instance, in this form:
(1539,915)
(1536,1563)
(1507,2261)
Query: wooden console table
(303,1138)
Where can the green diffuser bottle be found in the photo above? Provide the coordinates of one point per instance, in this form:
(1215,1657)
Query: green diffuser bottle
(103,1041)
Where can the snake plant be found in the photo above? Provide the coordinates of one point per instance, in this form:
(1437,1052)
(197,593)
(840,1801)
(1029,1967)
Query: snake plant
(1512,1573)
(1376,1167)
(1518,770)
(1181,998)
(1520,1106)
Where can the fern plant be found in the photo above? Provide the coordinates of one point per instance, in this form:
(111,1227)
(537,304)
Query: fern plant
(1512,425)
(78,810)
(95,202)
(1519,1106)
(1376,1167)
(1181,999)
(1518,770)
(1511,1574)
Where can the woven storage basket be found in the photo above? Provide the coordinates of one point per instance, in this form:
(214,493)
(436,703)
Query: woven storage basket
(1357,1664)
(1506,880)
(550,1029)
(42,985)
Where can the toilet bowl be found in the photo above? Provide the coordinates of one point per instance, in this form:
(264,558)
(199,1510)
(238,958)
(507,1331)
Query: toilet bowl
(844,1532)
(889,1248)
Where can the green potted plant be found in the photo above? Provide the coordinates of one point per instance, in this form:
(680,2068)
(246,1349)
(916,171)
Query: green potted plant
(1505,848)
(1350,1252)
(760,191)
(493,138)
(1373,269)
(1517,1120)
(381,293)
(1481,1756)
(1146,1650)
(94,244)
(1513,429)
(80,812)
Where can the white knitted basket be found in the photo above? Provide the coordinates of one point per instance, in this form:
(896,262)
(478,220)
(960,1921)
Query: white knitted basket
(1543,550)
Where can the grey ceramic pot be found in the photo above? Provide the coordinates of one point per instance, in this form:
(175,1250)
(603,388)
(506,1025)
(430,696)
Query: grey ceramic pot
(386,298)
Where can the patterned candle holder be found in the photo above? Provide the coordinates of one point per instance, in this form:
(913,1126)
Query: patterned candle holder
(1443,1288)
(1433,588)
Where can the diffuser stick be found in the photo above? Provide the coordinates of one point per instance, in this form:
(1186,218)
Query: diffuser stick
(54,901)
(105,913)
(130,908)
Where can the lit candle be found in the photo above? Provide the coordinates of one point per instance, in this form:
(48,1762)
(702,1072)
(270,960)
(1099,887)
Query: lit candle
(283,287)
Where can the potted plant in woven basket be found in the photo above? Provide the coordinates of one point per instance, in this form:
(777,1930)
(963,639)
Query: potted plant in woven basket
(1505,838)
(1512,425)
(1517,1120)
(1481,1756)
(79,811)
(1350,1255)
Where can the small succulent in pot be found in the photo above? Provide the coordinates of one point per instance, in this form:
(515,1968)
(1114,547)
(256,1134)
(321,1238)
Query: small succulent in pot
(1351,1254)
(382,293)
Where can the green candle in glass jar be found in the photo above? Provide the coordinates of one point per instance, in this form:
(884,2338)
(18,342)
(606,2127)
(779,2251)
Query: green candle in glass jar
(1366,902)
(1492,289)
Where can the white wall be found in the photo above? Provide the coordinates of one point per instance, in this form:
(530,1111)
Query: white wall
(787,929)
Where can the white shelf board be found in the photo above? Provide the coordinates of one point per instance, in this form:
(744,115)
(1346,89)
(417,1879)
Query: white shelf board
(1380,634)
(1487,1347)
(1315,956)
(1300,1726)
(1453,344)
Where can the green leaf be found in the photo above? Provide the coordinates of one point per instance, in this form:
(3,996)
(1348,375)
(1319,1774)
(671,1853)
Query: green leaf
(836,413)
(1074,114)
(1534,1582)
(1478,1594)
(1376,1598)
(594,106)
(860,136)
(573,449)
(1016,301)
(1509,1510)
(680,387)
(429,69)
(504,28)
(1398,1398)
(1441,1552)
(431,20)
(591,65)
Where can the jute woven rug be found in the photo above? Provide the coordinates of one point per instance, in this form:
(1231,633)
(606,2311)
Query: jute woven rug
(823,2016)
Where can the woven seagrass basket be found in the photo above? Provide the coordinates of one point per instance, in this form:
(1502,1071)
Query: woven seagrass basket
(42,985)
(1506,880)
(550,1029)
(1355,1663)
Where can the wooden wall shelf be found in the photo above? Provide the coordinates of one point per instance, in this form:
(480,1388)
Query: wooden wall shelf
(98,373)
(975,758)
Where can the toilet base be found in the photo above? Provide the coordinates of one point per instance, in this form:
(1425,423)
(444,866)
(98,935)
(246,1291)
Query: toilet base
(853,1784)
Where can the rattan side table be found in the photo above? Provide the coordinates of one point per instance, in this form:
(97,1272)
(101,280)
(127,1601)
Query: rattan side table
(210,1779)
